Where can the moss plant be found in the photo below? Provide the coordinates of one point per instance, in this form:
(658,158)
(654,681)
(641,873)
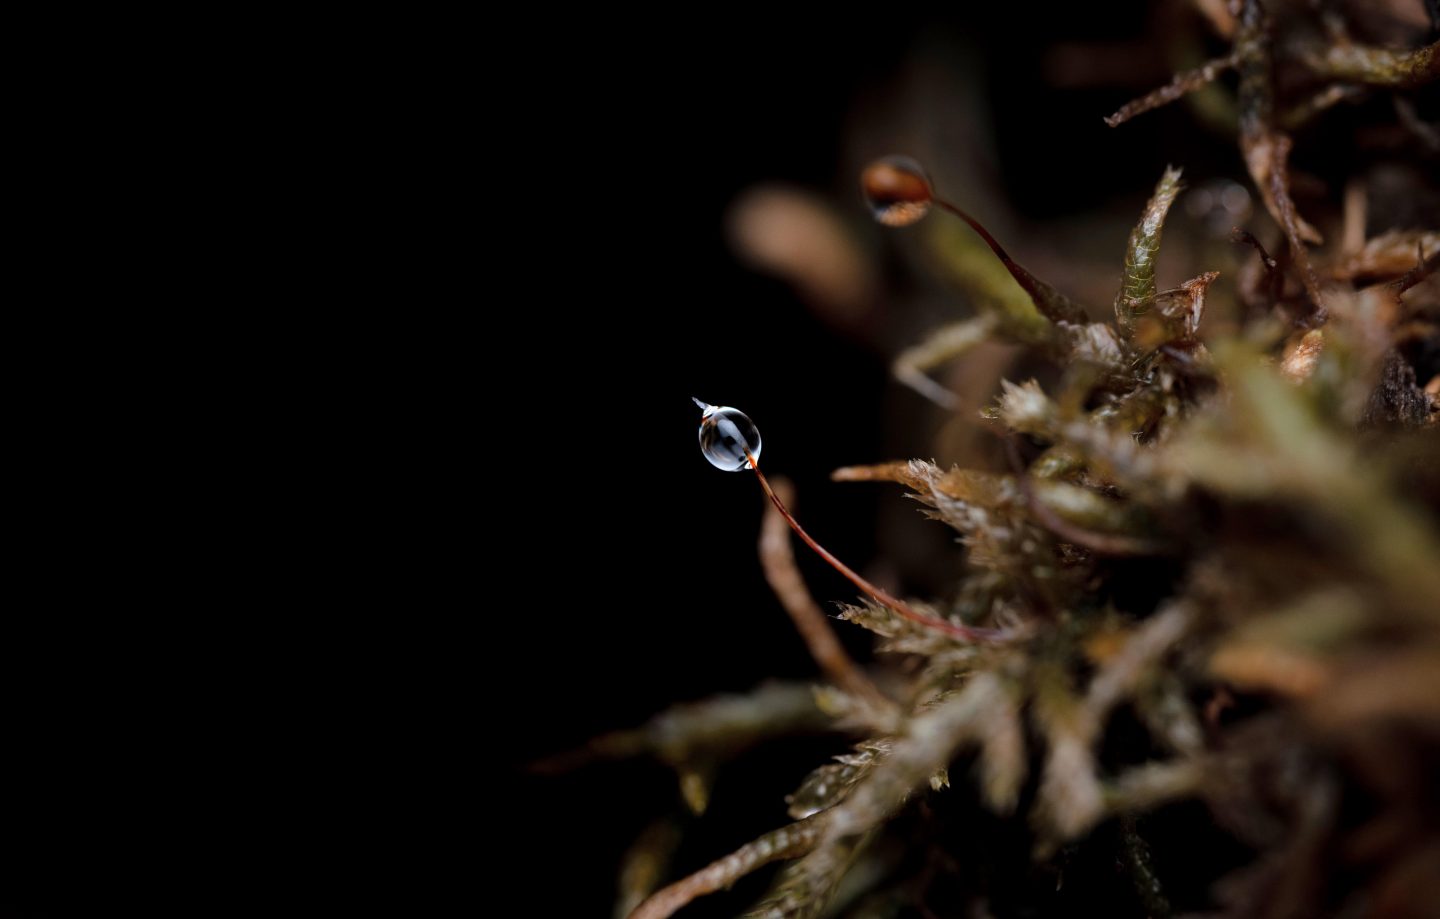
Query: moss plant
(1201,609)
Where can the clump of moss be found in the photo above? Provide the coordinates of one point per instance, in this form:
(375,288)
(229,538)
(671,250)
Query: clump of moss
(1207,575)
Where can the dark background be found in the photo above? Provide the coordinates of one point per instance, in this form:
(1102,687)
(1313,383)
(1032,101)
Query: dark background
(655,595)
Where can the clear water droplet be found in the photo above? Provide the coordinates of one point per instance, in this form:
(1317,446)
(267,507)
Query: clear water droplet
(725,434)
(897,190)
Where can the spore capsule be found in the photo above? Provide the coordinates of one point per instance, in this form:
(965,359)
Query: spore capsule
(897,190)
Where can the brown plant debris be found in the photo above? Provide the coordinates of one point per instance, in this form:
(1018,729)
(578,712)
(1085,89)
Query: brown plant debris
(1186,82)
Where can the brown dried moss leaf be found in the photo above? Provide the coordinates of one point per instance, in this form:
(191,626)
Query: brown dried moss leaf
(1379,66)
(1070,799)
(944,344)
(914,473)
(1089,510)
(1186,82)
(1264,148)
(1092,342)
(799,237)
(1302,356)
(806,889)
(1390,255)
(645,864)
(982,489)
(1026,408)
(719,727)
(929,743)
(697,778)
(1119,678)
(1269,159)
(1270,669)
(1399,686)
(787,842)
(1308,109)
(1002,751)
(1057,462)
(828,785)
(902,635)
(987,509)
(1154,784)
(1177,313)
(1167,714)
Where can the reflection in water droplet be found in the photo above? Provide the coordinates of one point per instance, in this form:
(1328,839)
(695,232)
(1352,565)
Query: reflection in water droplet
(897,190)
(1199,203)
(1218,205)
(1235,199)
(725,434)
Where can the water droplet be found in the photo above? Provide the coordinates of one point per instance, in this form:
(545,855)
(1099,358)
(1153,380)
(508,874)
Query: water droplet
(725,435)
(897,190)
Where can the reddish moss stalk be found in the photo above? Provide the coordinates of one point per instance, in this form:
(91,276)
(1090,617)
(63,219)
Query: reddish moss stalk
(778,561)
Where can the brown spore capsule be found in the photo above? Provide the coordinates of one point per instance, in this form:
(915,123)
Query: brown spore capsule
(897,190)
